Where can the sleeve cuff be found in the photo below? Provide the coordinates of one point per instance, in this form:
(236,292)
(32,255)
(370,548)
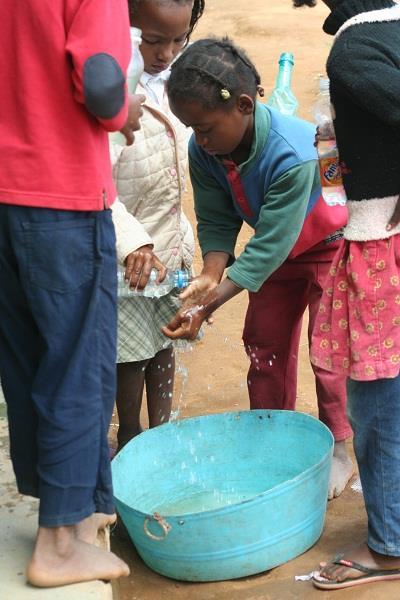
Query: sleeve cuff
(129,232)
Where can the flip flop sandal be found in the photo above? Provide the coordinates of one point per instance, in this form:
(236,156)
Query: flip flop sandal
(370,575)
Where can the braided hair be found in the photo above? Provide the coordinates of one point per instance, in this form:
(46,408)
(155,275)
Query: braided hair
(215,72)
(197,11)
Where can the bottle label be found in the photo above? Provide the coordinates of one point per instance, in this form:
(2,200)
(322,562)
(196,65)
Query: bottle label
(330,172)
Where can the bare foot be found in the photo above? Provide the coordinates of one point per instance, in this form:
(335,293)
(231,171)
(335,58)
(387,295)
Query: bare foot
(88,529)
(60,558)
(362,555)
(341,471)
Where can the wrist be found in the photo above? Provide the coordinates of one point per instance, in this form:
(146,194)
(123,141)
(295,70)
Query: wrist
(218,296)
(214,265)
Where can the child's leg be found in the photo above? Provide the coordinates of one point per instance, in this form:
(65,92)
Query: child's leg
(160,374)
(331,395)
(271,337)
(130,384)
(374,412)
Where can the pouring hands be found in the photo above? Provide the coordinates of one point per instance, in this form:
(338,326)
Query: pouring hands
(193,295)
(138,266)
(198,288)
(188,320)
(204,295)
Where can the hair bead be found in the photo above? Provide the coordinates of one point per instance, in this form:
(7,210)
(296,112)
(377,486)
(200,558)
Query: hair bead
(225,94)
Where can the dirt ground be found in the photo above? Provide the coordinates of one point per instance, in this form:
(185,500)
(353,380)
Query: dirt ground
(216,368)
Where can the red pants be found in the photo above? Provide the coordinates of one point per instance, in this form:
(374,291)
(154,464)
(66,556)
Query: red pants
(272,334)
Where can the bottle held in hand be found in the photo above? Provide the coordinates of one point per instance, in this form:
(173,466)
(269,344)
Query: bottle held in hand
(178,279)
(328,155)
(136,64)
(133,75)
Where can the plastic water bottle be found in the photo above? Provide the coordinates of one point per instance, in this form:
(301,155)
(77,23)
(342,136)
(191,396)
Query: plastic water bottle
(133,75)
(328,155)
(174,279)
(282,97)
(136,64)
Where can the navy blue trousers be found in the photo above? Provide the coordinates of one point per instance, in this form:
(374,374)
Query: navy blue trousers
(57,356)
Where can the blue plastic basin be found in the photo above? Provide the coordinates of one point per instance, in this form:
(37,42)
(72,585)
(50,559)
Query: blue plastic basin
(226,495)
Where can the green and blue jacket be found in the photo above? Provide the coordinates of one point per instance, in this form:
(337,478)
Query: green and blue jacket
(277,191)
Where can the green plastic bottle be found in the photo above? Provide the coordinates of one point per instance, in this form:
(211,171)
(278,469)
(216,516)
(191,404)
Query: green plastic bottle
(282,97)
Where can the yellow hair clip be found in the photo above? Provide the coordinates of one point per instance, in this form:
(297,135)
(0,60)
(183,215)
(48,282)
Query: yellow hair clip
(225,94)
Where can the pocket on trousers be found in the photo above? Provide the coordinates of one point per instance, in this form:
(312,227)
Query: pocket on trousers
(60,253)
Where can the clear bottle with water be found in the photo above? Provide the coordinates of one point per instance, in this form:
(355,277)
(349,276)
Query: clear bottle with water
(133,75)
(282,97)
(328,154)
(178,279)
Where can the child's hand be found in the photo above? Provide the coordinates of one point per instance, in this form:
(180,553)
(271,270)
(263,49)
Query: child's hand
(138,266)
(395,218)
(186,323)
(133,121)
(324,132)
(198,287)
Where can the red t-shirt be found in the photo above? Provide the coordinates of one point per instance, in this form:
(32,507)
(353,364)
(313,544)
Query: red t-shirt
(54,153)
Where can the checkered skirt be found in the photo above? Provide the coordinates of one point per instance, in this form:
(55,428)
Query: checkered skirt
(139,326)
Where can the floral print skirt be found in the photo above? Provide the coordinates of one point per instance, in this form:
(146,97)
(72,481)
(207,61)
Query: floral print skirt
(358,327)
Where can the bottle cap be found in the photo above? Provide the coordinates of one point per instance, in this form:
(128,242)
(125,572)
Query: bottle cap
(181,279)
(286,57)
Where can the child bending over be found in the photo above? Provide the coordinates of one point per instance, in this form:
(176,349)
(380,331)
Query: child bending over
(250,163)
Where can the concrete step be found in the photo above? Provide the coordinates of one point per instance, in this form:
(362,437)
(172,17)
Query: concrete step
(18,525)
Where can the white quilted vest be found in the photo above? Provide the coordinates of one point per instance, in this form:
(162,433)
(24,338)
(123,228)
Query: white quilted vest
(150,179)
